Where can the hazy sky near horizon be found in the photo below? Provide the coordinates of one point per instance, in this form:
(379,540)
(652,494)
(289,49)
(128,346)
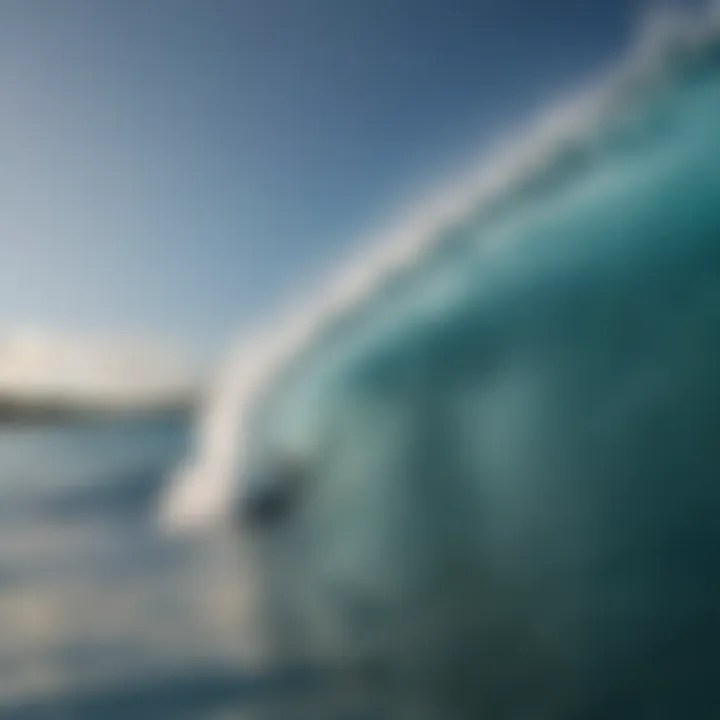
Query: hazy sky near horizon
(176,168)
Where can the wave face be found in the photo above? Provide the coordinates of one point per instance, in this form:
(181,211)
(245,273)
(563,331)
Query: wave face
(493,456)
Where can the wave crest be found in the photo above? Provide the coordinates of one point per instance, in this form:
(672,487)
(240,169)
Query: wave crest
(560,144)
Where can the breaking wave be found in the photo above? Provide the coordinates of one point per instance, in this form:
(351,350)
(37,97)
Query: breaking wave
(611,121)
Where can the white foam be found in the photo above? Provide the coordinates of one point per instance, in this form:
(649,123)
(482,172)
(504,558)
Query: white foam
(202,491)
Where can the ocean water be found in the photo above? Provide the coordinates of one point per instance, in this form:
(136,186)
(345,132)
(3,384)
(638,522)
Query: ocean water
(487,460)
(102,615)
(479,480)
(99,616)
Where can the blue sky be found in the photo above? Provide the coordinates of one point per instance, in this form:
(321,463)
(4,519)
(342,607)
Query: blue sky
(177,169)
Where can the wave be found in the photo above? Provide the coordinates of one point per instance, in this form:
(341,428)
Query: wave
(612,118)
(127,493)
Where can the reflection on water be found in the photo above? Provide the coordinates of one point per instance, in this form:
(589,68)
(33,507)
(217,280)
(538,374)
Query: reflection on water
(93,603)
(102,616)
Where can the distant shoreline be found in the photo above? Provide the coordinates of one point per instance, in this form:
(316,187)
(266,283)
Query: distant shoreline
(15,412)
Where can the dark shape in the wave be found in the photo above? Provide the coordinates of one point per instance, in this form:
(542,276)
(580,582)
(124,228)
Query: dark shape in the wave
(273,498)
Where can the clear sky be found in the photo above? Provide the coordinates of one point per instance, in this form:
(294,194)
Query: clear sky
(175,167)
